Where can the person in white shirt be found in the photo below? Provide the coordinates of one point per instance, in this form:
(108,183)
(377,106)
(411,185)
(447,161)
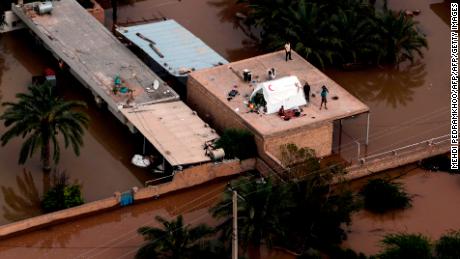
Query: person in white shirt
(287,48)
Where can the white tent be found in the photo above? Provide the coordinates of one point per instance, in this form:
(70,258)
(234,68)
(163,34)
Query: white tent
(286,91)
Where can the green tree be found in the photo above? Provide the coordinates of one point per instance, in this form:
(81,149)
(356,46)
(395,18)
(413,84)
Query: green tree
(448,246)
(316,220)
(381,195)
(39,116)
(260,213)
(174,240)
(403,246)
(400,36)
(62,195)
(237,143)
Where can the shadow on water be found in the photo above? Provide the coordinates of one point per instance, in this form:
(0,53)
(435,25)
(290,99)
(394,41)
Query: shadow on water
(25,202)
(391,85)
(227,10)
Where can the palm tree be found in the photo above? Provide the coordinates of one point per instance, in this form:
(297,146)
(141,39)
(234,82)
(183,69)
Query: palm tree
(314,37)
(400,246)
(401,38)
(39,116)
(260,213)
(176,240)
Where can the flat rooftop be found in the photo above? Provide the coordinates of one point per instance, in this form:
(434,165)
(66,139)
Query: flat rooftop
(176,49)
(93,53)
(221,80)
(174,129)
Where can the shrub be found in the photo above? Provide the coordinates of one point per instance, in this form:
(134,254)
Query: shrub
(448,246)
(437,163)
(382,195)
(237,143)
(402,246)
(62,195)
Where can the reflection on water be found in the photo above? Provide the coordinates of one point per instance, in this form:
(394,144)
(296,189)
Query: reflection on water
(435,209)
(392,86)
(23,203)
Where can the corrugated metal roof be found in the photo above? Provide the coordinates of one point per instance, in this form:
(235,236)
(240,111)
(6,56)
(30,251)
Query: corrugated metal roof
(174,129)
(180,48)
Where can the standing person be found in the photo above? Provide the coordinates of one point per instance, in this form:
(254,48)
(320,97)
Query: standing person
(287,48)
(324,93)
(306,91)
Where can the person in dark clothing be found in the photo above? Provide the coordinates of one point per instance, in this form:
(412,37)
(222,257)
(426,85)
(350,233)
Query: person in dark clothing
(324,92)
(287,48)
(306,91)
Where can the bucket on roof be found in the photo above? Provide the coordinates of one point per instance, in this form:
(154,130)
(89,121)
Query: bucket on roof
(44,8)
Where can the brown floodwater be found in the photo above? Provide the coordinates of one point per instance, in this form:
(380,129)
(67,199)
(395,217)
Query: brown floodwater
(103,166)
(113,234)
(408,104)
(435,209)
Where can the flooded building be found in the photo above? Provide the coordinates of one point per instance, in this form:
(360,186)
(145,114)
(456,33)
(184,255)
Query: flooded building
(134,94)
(224,96)
(170,49)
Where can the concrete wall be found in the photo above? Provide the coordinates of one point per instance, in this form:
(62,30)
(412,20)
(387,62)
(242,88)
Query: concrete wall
(188,178)
(394,161)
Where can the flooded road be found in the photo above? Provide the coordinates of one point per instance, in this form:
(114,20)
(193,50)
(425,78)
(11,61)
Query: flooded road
(435,209)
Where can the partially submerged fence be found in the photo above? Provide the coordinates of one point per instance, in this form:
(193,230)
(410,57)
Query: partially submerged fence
(399,156)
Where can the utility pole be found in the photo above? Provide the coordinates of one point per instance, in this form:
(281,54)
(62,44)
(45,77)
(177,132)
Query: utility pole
(235,226)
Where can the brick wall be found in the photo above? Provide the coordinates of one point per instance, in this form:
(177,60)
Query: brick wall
(210,109)
(319,139)
(220,117)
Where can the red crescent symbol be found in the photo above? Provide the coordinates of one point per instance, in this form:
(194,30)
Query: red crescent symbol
(270,87)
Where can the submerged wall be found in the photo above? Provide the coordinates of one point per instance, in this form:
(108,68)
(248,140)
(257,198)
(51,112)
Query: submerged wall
(187,178)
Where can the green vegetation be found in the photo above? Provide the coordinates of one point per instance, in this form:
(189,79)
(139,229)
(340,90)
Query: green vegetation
(381,195)
(39,116)
(338,33)
(260,214)
(237,143)
(437,163)
(303,213)
(62,195)
(448,246)
(176,240)
(402,246)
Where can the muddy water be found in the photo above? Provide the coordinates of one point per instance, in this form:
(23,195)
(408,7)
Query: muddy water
(435,209)
(112,234)
(410,103)
(103,166)
(211,20)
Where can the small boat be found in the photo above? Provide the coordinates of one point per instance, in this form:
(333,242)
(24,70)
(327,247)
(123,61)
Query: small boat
(141,161)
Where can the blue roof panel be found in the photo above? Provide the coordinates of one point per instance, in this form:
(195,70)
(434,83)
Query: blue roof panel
(181,49)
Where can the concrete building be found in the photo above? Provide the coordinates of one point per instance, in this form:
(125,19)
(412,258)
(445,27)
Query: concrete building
(208,93)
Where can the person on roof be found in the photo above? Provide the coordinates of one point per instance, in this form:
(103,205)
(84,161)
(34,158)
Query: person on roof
(324,93)
(287,48)
(306,91)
